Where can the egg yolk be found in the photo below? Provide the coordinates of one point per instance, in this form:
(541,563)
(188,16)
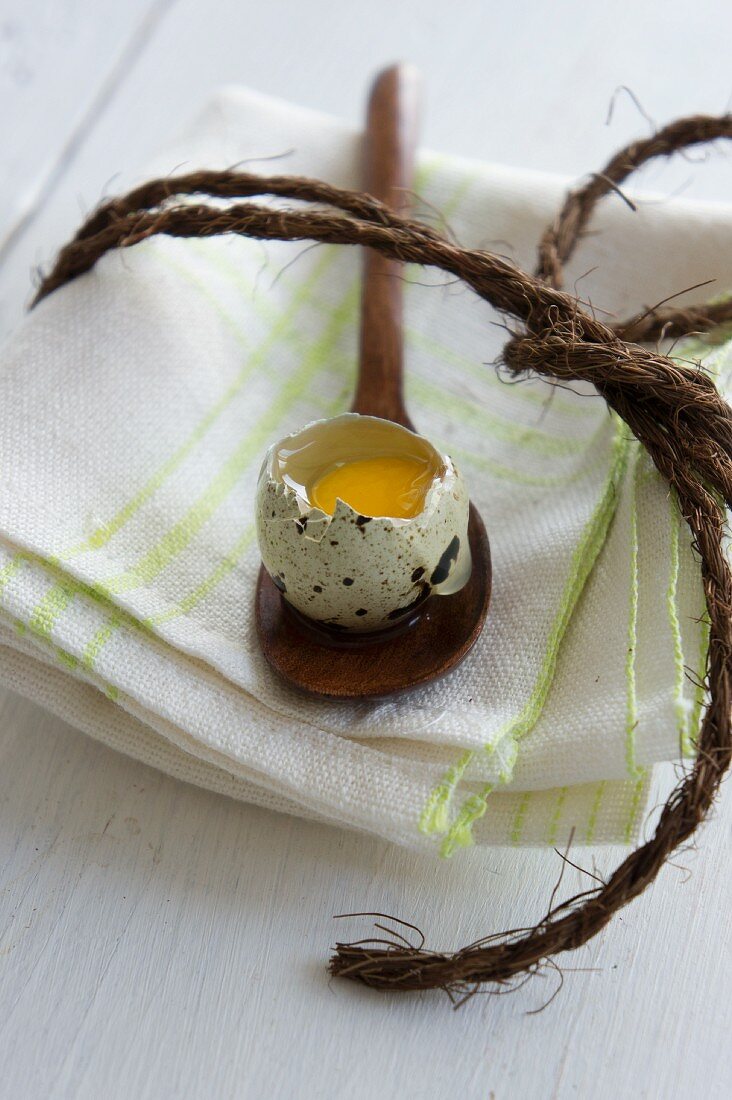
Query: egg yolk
(387,485)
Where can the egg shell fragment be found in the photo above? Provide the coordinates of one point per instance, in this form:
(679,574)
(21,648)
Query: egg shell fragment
(355,573)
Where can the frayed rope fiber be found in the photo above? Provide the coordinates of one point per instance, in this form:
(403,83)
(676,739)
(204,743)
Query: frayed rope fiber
(672,408)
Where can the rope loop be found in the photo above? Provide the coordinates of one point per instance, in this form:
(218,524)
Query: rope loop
(674,410)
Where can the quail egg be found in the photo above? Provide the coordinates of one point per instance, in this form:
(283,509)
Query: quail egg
(359,521)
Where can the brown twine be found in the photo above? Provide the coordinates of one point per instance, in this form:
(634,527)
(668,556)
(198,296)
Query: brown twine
(674,410)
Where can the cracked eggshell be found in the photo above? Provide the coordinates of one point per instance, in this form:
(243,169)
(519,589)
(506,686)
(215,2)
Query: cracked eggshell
(357,573)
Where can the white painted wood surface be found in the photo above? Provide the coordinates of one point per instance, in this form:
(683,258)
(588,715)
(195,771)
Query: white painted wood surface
(158,941)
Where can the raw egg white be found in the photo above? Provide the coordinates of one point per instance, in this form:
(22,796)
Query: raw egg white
(360,520)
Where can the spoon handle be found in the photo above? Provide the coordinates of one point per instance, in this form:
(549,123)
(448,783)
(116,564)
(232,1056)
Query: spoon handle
(389,153)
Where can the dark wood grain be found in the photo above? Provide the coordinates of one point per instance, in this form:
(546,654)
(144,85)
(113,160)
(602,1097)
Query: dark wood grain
(448,626)
(388,172)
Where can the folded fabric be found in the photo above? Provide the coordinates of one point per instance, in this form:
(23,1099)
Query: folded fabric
(136,404)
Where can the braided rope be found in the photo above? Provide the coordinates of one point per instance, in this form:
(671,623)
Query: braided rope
(673,409)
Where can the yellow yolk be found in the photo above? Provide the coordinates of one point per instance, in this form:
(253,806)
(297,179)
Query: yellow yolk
(388,485)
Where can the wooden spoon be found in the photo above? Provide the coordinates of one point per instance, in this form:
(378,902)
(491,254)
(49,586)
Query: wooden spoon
(360,666)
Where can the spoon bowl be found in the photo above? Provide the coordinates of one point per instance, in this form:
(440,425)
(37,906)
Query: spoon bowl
(437,642)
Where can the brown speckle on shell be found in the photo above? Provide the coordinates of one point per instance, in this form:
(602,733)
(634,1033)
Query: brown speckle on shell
(424,592)
(442,570)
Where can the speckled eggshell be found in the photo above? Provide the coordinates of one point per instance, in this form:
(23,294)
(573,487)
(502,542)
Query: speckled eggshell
(353,573)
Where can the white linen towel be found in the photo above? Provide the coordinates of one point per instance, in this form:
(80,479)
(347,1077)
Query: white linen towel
(135,407)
